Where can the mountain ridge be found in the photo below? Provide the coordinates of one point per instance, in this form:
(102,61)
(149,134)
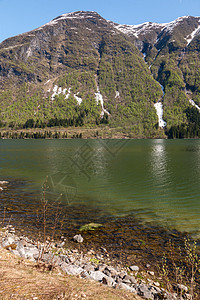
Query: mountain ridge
(81,55)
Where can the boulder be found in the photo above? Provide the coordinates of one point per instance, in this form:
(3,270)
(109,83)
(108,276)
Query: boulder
(65,258)
(31,253)
(151,273)
(182,288)
(118,279)
(129,279)
(85,275)
(8,241)
(78,238)
(20,249)
(109,281)
(71,269)
(144,291)
(122,274)
(110,271)
(89,268)
(97,275)
(126,287)
(101,267)
(134,268)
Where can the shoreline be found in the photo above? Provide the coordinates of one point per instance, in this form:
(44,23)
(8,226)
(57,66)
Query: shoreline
(119,243)
(79,132)
(127,241)
(61,133)
(90,265)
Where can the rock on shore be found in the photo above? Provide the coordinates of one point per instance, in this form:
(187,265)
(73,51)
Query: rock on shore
(3,184)
(75,263)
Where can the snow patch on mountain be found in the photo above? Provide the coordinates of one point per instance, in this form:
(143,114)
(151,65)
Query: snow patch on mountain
(73,15)
(55,89)
(58,90)
(99,98)
(117,94)
(29,52)
(159,110)
(146,27)
(136,30)
(68,93)
(194,104)
(78,99)
(191,36)
(171,25)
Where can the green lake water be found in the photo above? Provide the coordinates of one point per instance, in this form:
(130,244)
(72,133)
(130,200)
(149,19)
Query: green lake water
(158,181)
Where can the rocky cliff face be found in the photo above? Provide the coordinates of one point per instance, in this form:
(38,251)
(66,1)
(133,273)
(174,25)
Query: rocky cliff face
(84,69)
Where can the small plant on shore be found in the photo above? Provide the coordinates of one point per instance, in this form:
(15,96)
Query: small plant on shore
(4,217)
(43,220)
(193,262)
(5,224)
(95,261)
(90,226)
(164,272)
(180,269)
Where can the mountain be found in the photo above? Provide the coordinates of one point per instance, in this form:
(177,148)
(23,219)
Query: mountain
(82,70)
(172,53)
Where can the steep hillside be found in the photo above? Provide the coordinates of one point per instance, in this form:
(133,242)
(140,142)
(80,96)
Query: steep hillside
(82,70)
(76,70)
(172,54)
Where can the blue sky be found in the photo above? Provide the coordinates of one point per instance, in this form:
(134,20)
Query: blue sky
(18,16)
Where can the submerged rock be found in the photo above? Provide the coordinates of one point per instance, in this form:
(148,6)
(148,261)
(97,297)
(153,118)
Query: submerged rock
(90,226)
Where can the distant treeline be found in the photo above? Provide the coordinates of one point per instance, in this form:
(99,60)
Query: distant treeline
(53,122)
(190,130)
(38,135)
(61,122)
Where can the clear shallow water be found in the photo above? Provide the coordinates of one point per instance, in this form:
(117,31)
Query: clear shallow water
(156,180)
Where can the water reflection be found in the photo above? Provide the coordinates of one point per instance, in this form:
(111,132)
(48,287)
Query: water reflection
(159,161)
(198,161)
(158,180)
(100,160)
